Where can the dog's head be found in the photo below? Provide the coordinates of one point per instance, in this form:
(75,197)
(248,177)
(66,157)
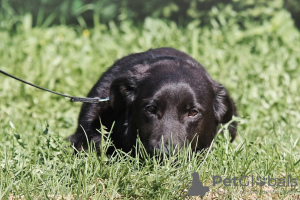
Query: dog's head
(171,102)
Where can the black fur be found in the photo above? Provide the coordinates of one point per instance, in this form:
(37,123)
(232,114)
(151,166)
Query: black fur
(156,94)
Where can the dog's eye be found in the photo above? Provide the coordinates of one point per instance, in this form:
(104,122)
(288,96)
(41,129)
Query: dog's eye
(151,109)
(193,113)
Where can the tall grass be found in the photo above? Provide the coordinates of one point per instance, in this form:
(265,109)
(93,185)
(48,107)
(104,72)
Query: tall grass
(259,66)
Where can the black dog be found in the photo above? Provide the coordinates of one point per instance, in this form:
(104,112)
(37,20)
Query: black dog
(163,95)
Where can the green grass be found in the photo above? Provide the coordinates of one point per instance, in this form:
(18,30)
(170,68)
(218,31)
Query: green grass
(259,66)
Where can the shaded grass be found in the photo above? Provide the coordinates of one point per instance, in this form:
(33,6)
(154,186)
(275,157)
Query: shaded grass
(259,66)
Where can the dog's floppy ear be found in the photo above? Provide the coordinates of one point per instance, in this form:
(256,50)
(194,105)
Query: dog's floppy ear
(224,108)
(122,92)
(123,89)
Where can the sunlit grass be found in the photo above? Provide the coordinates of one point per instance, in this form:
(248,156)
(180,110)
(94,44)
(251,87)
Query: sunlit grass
(259,66)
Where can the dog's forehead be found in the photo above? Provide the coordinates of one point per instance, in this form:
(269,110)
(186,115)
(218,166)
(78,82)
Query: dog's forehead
(175,90)
(175,81)
(172,79)
(177,70)
(174,94)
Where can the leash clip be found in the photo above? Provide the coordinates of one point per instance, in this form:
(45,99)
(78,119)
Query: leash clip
(88,99)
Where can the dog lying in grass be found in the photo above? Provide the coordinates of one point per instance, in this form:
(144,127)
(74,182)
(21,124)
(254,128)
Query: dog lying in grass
(164,96)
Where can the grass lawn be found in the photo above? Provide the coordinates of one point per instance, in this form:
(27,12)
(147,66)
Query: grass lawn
(259,66)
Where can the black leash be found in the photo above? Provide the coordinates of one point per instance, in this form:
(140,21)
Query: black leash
(73,99)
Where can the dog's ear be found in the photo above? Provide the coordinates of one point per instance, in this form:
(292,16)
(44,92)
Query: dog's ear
(224,108)
(122,92)
(123,89)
